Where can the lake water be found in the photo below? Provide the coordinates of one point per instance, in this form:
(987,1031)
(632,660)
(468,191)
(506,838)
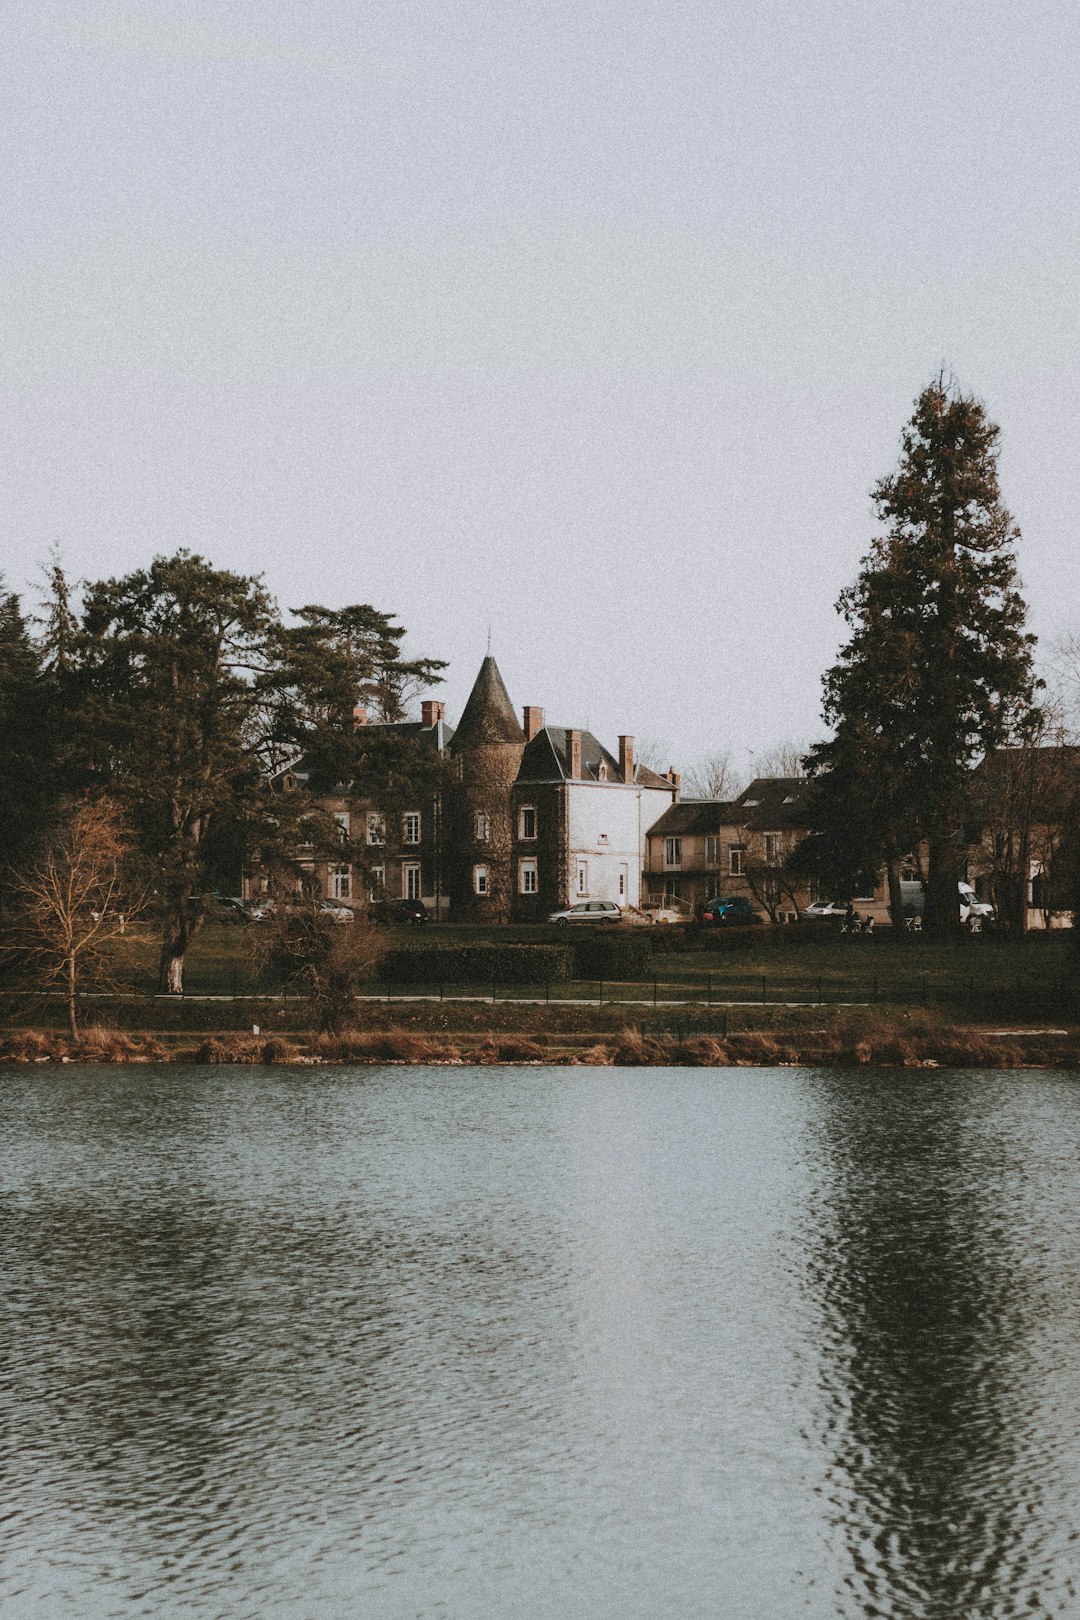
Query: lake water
(543,1342)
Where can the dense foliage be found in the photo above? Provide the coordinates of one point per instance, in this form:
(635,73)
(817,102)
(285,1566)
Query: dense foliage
(937,669)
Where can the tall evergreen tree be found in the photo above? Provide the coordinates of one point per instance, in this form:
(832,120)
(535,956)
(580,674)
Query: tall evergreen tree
(168,657)
(937,669)
(27,739)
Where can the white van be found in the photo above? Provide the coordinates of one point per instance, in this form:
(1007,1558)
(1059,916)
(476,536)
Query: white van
(913,900)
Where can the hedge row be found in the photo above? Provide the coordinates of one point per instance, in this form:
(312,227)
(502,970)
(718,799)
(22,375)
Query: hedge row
(477,964)
(623,955)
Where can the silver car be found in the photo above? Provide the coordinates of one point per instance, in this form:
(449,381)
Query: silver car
(588,911)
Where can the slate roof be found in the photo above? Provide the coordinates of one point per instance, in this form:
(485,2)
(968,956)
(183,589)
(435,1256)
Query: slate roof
(547,759)
(772,803)
(488,716)
(769,804)
(693,817)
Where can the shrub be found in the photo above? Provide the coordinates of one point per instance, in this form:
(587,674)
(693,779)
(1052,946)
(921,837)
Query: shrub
(611,954)
(477,964)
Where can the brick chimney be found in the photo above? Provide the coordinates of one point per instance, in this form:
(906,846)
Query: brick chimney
(573,748)
(674,778)
(532,721)
(431,712)
(626,758)
(359,715)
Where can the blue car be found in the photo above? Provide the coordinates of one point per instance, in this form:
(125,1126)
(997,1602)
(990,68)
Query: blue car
(733,909)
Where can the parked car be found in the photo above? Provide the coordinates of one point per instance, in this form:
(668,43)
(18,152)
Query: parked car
(335,909)
(411,913)
(825,908)
(588,911)
(730,909)
(972,909)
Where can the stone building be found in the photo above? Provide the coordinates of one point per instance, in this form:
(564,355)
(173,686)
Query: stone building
(704,848)
(543,816)
(528,818)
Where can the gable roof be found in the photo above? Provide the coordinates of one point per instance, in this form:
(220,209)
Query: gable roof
(772,803)
(693,818)
(488,716)
(547,759)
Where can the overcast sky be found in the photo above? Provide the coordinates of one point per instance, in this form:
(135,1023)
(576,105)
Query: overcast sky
(596,321)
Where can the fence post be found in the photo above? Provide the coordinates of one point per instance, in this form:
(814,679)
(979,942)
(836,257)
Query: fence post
(710,990)
(547,992)
(493,992)
(875,987)
(763,989)
(654,992)
(601,992)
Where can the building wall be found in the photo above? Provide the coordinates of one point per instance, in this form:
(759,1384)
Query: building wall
(607,824)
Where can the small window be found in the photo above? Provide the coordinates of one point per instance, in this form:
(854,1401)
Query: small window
(527,821)
(736,860)
(410,880)
(481,827)
(376,827)
(773,848)
(712,852)
(341,883)
(480,879)
(342,819)
(527,878)
(582,877)
(672,852)
(375,882)
(622,881)
(410,830)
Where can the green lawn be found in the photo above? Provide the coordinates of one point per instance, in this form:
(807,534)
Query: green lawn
(978,977)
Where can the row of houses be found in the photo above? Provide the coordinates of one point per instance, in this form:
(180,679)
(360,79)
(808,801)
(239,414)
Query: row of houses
(529,818)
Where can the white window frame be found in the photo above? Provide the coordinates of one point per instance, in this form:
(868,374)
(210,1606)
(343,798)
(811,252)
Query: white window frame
(376,828)
(524,824)
(528,876)
(483,826)
(773,845)
(376,882)
(342,819)
(672,854)
(712,851)
(736,860)
(411,885)
(582,889)
(481,880)
(341,883)
(410,827)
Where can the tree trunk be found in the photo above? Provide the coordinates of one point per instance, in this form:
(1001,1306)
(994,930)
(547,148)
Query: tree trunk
(72,1016)
(180,928)
(942,915)
(896,903)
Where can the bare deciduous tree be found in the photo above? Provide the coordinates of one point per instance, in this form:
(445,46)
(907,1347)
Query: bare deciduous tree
(313,955)
(715,776)
(75,901)
(784,758)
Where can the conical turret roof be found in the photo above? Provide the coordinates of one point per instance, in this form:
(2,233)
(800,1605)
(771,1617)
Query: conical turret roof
(489,715)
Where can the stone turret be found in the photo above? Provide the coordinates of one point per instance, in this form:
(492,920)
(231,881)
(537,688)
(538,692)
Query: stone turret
(487,746)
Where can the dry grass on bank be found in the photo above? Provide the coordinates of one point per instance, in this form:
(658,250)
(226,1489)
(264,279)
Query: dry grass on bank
(911,1045)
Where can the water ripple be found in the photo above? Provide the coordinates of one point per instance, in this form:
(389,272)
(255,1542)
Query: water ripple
(474,1343)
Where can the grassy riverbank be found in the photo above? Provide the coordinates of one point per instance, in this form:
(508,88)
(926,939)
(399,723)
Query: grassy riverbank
(500,1036)
(755,996)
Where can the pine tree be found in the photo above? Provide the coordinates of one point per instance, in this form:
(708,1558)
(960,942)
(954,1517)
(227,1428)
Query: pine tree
(938,667)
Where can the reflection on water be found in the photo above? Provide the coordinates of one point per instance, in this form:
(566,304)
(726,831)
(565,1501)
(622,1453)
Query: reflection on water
(480,1343)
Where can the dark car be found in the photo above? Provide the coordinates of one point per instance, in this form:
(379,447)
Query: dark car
(413,913)
(732,909)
